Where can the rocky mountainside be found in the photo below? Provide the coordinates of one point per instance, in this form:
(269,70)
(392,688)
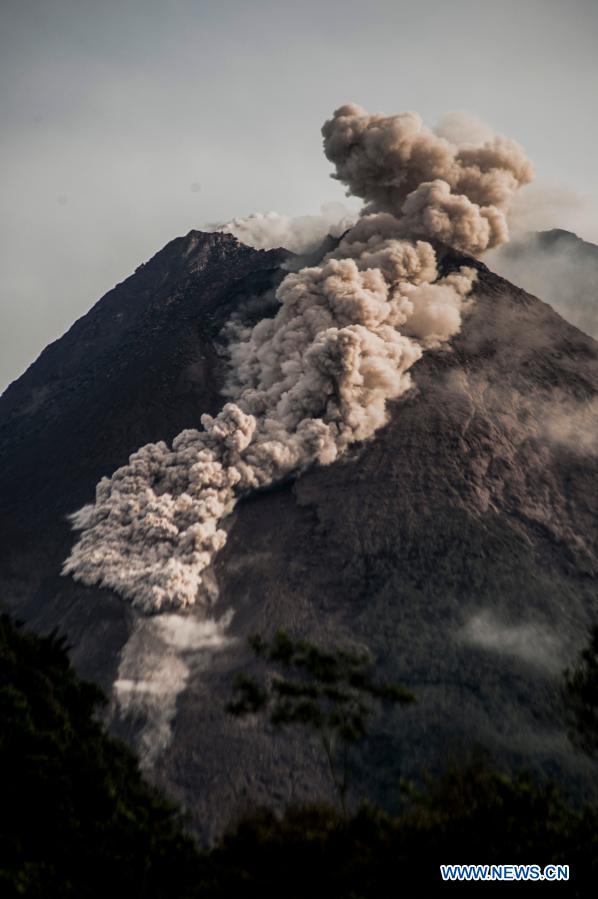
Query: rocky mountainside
(136,368)
(460,544)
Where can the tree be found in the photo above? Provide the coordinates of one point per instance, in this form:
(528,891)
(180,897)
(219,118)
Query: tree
(77,819)
(473,811)
(581,696)
(331,692)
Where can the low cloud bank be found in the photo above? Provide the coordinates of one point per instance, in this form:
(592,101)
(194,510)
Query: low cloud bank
(559,268)
(528,641)
(154,669)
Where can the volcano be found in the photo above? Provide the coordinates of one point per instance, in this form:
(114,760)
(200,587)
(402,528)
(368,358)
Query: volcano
(459,544)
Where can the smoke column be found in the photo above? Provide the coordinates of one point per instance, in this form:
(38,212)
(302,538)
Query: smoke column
(317,377)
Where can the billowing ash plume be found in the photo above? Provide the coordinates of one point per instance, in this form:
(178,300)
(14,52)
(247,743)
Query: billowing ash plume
(318,376)
(458,193)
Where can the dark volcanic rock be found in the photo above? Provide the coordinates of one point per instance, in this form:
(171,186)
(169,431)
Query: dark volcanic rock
(460,544)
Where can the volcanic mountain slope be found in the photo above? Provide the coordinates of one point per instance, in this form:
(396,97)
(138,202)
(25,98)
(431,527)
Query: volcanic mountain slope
(459,544)
(558,266)
(138,367)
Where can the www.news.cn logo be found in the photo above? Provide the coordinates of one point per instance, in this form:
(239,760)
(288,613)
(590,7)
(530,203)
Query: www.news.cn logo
(504,872)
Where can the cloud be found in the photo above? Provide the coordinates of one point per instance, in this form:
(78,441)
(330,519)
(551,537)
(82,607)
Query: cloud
(574,427)
(557,267)
(544,205)
(529,642)
(397,165)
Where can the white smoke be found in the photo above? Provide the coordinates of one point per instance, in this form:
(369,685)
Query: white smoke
(155,666)
(530,642)
(318,376)
(572,426)
(302,234)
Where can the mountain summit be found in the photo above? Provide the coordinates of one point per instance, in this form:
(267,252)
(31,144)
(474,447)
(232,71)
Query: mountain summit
(459,543)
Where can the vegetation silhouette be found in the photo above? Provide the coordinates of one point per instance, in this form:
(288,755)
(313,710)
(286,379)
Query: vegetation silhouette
(76,817)
(78,820)
(581,697)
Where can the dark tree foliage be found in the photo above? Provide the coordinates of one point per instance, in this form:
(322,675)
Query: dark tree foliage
(331,692)
(76,817)
(472,815)
(78,820)
(581,697)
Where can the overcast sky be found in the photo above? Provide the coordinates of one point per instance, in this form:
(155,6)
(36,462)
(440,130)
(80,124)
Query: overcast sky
(125,124)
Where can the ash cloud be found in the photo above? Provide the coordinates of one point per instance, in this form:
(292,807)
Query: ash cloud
(458,193)
(464,129)
(306,384)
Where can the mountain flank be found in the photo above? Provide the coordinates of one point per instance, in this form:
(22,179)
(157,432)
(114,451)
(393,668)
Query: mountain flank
(459,544)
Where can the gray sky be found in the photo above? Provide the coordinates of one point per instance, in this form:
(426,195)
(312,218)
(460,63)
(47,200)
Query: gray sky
(125,124)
